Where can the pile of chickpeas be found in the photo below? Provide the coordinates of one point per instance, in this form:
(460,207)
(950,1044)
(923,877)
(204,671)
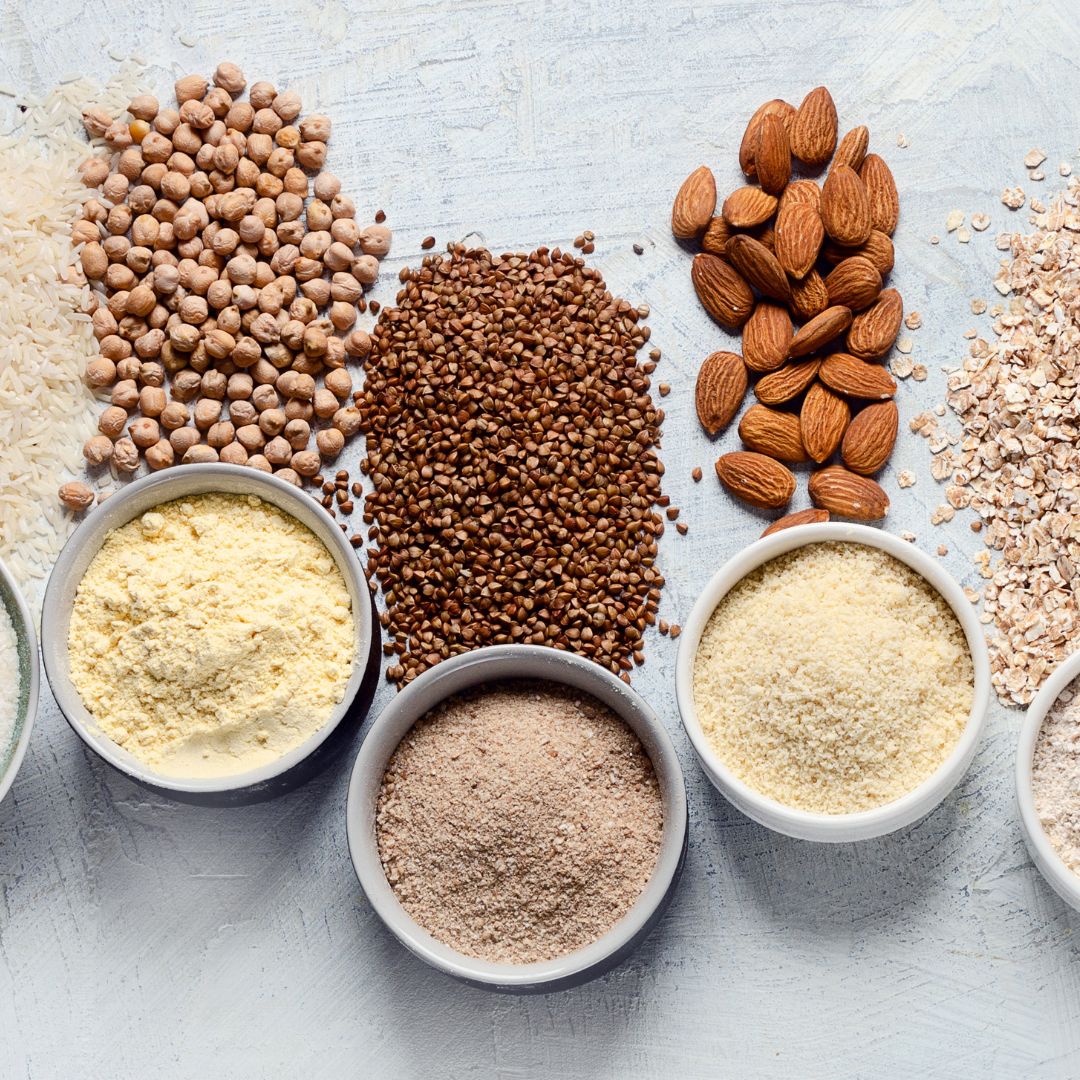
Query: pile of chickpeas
(227,297)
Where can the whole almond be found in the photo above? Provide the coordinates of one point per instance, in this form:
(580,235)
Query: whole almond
(845,207)
(823,419)
(847,494)
(813,129)
(878,249)
(776,107)
(874,330)
(767,337)
(788,383)
(722,292)
(721,386)
(800,517)
(799,233)
(801,191)
(848,375)
(748,206)
(694,204)
(717,234)
(772,157)
(854,283)
(820,330)
(758,266)
(759,480)
(870,438)
(852,148)
(809,297)
(881,187)
(769,431)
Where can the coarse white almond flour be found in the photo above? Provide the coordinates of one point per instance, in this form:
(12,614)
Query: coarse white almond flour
(833,679)
(211,635)
(1055,776)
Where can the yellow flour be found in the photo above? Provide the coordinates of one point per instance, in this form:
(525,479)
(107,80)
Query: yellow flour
(211,635)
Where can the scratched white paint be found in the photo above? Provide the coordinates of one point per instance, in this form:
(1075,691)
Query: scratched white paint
(138,937)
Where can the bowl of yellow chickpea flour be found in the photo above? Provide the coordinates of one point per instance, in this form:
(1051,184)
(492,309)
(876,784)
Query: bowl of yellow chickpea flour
(833,681)
(18,678)
(207,631)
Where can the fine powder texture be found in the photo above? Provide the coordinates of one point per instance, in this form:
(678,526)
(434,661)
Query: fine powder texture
(10,684)
(833,679)
(211,635)
(1055,776)
(519,823)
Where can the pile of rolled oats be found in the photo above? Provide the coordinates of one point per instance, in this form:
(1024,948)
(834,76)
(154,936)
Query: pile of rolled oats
(1017,461)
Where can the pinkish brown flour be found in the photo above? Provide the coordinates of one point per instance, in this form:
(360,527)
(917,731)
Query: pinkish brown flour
(1055,776)
(519,823)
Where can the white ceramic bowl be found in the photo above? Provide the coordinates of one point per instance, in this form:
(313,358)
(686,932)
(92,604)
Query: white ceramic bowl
(493,664)
(803,824)
(13,751)
(1062,880)
(136,499)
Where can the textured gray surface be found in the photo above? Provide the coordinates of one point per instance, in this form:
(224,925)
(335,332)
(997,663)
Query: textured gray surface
(144,937)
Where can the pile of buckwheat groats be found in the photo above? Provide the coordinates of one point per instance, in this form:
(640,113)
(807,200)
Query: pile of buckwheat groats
(511,445)
(1017,461)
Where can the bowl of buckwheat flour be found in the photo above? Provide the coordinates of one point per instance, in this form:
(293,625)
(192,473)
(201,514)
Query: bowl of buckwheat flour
(517,818)
(18,678)
(1048,780)
(207,631)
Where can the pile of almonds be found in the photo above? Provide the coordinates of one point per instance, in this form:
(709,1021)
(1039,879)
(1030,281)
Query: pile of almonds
(228,296)
(794,267)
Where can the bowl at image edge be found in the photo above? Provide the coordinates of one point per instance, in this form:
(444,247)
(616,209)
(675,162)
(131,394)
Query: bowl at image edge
(494,664)
(264,781)
(14,750)
(1050,864)
(805,824)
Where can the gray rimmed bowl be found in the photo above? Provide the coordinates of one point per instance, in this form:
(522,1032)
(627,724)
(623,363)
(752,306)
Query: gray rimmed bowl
(291,768)
(499,663)
(13,750)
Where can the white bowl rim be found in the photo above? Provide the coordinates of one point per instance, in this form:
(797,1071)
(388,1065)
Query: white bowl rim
(26,619)
(863,824)
(572,967)
(1065,882)
(205,477)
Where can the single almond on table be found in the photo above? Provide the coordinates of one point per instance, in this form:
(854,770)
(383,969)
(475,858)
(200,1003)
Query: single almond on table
(747,148)
(820,330)
(854,283)
(772,157)
(717,234)
(800,517)
(758,266)
(694,204)
(813,130)
(788,383)
(874,330)
(848,375)
(801,191)
(767,337)
(799,233)
(823,419)
(722,292)
(881,187)
(809,297)
(878,249)
(759,480)
(848,495)
(748,206)
(721,387)
(870,438)
(845,207)
(771,432)
(852,148)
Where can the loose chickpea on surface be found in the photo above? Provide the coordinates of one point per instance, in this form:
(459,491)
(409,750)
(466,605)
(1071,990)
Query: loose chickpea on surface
(76,496)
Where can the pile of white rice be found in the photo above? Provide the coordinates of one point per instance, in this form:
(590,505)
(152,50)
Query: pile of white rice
(46,411)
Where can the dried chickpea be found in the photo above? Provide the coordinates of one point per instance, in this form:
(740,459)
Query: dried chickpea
(365,269)
(306,462)
(173,416)
(288,475)
(207,413)
(190,87)
(324,404)
(258,461)
(342,315)
(98,450)
(375,240)
(314,128)
(272,422)
(239,117)
(347,421)
(278,451)
(317,291)
(161,455)
(251,437)
(111,422)
(152,401)
(182,439)
(242,413)
(330,442)
(144,431)
(299,410)
(125,455)
(185,386)
(297,433)
(339,383)
(128,368)
(76,496)
(94,171)
(100,372)
(200,455)
(312,155)
(115,187)
(233,454)
(143,107)
(220,434)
